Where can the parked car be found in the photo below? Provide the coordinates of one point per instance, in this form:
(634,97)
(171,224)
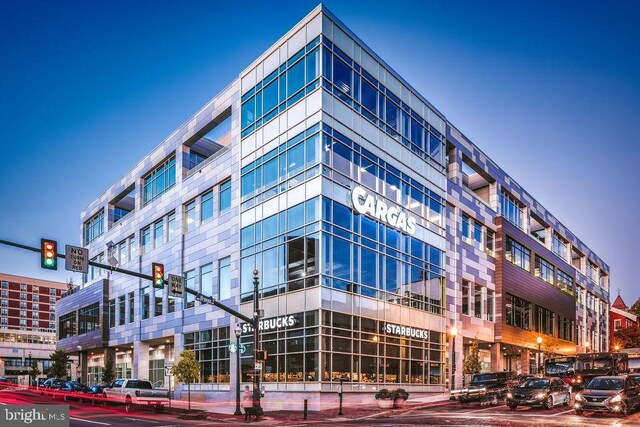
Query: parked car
(134,392)
(484,388)
(51,385)
(610,394)
(73,390)
(546,392)
(93,393)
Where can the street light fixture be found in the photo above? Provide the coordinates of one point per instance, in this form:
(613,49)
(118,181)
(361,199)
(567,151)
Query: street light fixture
(238,332)
(586,346)
(616,348)
(454,333)
(80,361)
(539,340)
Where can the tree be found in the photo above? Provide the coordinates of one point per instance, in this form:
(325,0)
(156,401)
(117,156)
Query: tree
(627,337)
(108,376)
(33,372)
(635,308)
(187,370)
(471,364)
(550,348)
(59,360)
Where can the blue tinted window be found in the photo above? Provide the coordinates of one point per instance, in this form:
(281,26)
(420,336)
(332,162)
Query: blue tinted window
(295,159)
(369,97)
(295,78)
(341,259)
(342,216)
(391,115)
(270,96)
(248,183)
(248,112)
(270,170)
(225,195)
(368,273)
(296,216)
(342,76)
(270,227)
(313,65)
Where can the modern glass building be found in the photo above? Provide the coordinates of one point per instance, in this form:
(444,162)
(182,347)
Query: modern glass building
(323,169)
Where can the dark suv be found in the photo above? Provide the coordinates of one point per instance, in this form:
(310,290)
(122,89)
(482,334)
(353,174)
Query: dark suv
(484,388)
(614,394)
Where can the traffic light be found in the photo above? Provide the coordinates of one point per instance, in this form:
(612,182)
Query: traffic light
(158,275)
(49,254)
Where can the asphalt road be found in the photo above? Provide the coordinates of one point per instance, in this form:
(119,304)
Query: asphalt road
(86,414)
(455,414)
(444,414)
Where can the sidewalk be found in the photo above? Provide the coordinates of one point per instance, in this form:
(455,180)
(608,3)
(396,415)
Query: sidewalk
(216,411)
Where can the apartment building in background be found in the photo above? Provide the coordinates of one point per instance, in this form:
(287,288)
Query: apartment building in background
(375,225)
(27,323)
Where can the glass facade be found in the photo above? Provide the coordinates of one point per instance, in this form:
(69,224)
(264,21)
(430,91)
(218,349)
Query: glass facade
(159,180)
(329,346)
(212,351)
(510,209)
(94,227)
(281,89)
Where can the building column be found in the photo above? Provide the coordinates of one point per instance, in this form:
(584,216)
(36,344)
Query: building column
(497,361)
(524,361)
(140,368)
(84,360)
(459,351)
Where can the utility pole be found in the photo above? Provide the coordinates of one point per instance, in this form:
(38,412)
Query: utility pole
(256,339)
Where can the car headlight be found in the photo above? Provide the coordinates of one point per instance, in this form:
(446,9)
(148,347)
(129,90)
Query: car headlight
(509,396)
(541,396)
(616,398)
(579,398)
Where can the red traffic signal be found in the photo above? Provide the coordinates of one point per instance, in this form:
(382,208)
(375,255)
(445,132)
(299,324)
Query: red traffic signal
(158,274)
(49,254)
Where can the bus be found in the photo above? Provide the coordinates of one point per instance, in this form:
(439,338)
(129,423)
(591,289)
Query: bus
(560,367)
(590,365)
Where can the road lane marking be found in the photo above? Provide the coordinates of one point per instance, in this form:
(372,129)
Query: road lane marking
(560,413)
(143,420)
(89,421)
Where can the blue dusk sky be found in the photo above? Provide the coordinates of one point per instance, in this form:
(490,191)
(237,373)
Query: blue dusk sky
(549,90)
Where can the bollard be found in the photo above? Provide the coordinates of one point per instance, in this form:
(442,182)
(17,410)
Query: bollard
(305,409)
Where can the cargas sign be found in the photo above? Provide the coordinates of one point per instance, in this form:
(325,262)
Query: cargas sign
(367,204)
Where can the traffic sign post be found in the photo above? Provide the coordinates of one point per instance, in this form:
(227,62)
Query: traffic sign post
(176,285)
(76,259)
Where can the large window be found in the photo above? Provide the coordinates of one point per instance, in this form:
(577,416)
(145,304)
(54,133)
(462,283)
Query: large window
(67,325)
(511,209)
(159,180)
(122,309)
(212,351)
(559,246)
(281,168)
(544,321)
(566,328)
(564,281)
(224,277)
(190,219)
(190,282)
(465,297)
(350,83)
(544,269)
(225,196)
(94,227)
(131,307)
(157,296)
(518,312)
(281,88)
(158,233)
(88,318)
(518,254)
(144,302)
(145,240)
(206,280)
(206,206)
(347,161)
(112,313)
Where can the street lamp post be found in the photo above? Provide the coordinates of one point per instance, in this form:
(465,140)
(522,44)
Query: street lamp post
(539,340)
(238,331)
(80,361)
(454,332)
(30,371)
(256,343)
(340,395)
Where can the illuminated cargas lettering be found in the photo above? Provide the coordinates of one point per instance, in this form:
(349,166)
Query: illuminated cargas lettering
(367,204)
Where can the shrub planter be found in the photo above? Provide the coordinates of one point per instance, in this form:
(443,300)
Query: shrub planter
(385,403)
